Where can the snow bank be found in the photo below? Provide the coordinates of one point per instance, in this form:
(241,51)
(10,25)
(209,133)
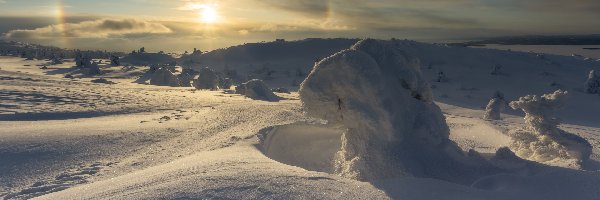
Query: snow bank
(495,107)
(256,89)
(207,80)
(377,95)
(592,84)
(541,140)
(164,77)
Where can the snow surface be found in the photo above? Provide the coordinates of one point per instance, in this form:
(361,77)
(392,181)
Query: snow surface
(69,138)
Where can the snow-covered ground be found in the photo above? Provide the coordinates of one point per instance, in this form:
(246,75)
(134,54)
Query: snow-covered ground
(63,138)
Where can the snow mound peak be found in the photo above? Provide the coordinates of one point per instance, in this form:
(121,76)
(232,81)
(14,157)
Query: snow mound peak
(376,94)
(541,140)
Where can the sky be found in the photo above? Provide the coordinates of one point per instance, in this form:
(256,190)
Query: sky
(178,25)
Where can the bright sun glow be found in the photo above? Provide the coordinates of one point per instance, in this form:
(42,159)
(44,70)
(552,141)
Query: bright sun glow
(209,14)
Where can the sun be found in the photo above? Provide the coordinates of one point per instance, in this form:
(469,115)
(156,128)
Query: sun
(209,14)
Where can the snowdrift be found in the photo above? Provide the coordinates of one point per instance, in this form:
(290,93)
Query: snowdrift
(375,93)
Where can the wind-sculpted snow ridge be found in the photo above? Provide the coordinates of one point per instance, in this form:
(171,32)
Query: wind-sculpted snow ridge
(541,140)
(376,94)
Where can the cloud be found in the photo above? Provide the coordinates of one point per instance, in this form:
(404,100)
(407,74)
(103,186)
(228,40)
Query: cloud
(104,28)
(309,7)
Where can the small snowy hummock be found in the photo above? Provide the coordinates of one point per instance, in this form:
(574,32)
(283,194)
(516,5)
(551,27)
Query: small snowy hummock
(207,80)
(164,77)
(541,140)
(376,94)
(256,89)
(495,107)
(592,84)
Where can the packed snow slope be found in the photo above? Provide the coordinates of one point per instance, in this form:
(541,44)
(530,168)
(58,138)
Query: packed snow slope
(64,138)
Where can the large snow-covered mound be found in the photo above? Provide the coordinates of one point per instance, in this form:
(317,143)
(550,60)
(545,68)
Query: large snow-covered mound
(376,94)
(541,140)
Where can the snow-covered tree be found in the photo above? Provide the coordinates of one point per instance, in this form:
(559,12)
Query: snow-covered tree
(441,77)
(541,139)
(56,60)
(495,107)
(207,80)
(497,70)
(256,89)
(115,60)
(377,96)
(164,77)
(592,84)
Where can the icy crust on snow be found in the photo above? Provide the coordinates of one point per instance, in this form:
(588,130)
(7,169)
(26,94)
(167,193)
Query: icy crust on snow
(392,128)
(541,140)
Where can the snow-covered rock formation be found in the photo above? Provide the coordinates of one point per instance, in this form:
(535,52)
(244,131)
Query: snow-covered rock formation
(376,94)
(207,80)
(592,84)
(256,89)
(164,77)
(495,107)
(541,140)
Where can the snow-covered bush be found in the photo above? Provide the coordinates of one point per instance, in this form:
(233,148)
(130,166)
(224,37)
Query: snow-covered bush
(495,107)
(592,84)
(207,80)
(377,95)
(256,89)
(541,140)
(164,77)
